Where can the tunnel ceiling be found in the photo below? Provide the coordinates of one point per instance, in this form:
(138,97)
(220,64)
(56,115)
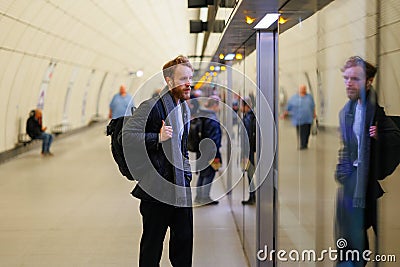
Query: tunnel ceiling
(122,35)
(101,34)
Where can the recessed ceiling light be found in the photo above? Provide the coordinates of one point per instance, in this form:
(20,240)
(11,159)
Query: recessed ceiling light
(249,20)
(267,21)
(229,56)
(282,20)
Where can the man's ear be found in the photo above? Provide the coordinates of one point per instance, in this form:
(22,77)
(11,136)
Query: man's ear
(369,82)
(169,81)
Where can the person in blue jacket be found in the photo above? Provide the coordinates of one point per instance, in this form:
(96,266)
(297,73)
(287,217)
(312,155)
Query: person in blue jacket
(120,104)
(301,108)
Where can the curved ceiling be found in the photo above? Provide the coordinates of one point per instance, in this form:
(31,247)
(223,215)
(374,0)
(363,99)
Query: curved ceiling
(117,35)
(102,34)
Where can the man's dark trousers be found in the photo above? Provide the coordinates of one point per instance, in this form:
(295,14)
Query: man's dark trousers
(157,217)
(303,134)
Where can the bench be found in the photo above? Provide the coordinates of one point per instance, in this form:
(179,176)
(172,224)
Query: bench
(60,128)
(24,139)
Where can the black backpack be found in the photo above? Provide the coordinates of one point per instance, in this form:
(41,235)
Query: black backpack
(195,134)
(390,156)
(114,129)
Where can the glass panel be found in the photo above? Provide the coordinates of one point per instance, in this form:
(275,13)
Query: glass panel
(236,87)
(315,218)
(306,186)
(248,110)
(326,198)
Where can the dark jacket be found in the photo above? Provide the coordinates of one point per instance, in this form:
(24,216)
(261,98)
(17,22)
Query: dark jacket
(146,157)
(373,155)
(211,129)
(33,127)
(249,121)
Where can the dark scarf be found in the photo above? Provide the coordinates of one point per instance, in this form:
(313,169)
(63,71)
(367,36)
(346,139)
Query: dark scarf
(182,193)
(367,116)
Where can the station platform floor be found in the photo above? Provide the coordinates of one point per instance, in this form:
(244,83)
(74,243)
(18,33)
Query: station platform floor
(75,209)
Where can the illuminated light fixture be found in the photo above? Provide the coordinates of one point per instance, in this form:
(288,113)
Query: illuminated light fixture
(282,20)
(223,67)
(215,73)
(207,73)
(249,20)
(221,56)
(212,68)
(139,73)
(239,56)
(267,21)
(229,57)
(217,68)
(200,83)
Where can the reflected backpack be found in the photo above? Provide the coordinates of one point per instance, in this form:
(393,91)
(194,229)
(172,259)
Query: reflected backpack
(195,132)
(114,129)
(390,147)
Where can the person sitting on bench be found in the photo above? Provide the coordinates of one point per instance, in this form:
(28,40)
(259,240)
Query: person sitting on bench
(35,130)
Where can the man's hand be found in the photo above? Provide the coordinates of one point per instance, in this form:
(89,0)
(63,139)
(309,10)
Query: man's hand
(284,115)
(373,132)
(165,132)
(216,164)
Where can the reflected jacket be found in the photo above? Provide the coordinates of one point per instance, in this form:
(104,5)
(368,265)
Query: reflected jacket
(374,158)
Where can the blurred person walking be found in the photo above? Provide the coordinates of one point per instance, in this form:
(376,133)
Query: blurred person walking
(120,103)
(301,108)
(249,121)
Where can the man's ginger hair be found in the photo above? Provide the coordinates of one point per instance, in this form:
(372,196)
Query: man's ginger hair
(169,67)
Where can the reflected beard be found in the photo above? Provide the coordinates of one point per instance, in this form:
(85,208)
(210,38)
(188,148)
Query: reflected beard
(178,94)
(352,95)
